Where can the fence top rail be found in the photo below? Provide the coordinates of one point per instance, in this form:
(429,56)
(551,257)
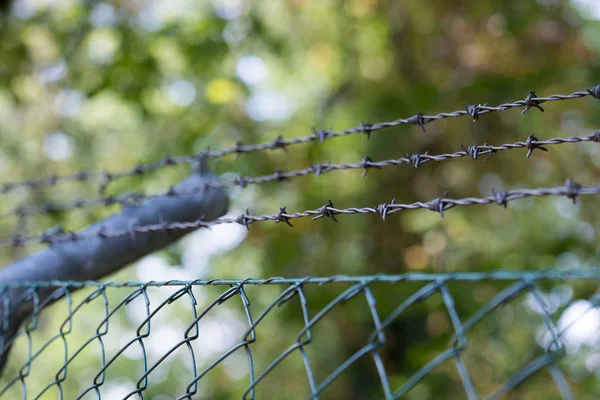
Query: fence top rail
(592,273)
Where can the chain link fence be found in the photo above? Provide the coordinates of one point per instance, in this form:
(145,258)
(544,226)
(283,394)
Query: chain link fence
(145,348)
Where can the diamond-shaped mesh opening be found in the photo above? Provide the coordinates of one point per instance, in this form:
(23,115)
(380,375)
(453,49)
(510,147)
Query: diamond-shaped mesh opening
(344,325)
(498,344)
(275,314)
(215,341)
(417,328)
(161,339)
(511,356)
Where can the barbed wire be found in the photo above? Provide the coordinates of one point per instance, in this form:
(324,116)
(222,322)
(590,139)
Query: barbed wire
(365,164)
(571,190)
(473,111)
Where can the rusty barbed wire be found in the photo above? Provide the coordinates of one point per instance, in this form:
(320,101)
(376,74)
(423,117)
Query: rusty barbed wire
(365,164)
(473,111)
(570,190)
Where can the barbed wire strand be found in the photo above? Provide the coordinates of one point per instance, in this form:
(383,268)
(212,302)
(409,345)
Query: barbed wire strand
(365,164)
(571,190)
(473,111)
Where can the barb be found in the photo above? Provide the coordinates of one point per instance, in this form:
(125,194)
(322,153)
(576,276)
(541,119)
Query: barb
(473,111)
(571,190)
(367,163)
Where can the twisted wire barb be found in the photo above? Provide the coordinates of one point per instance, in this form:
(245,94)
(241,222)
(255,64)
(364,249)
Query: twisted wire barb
(473,111)
(571,190)
(367,163)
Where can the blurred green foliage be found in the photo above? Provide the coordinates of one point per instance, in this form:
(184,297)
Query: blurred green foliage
(90,85)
